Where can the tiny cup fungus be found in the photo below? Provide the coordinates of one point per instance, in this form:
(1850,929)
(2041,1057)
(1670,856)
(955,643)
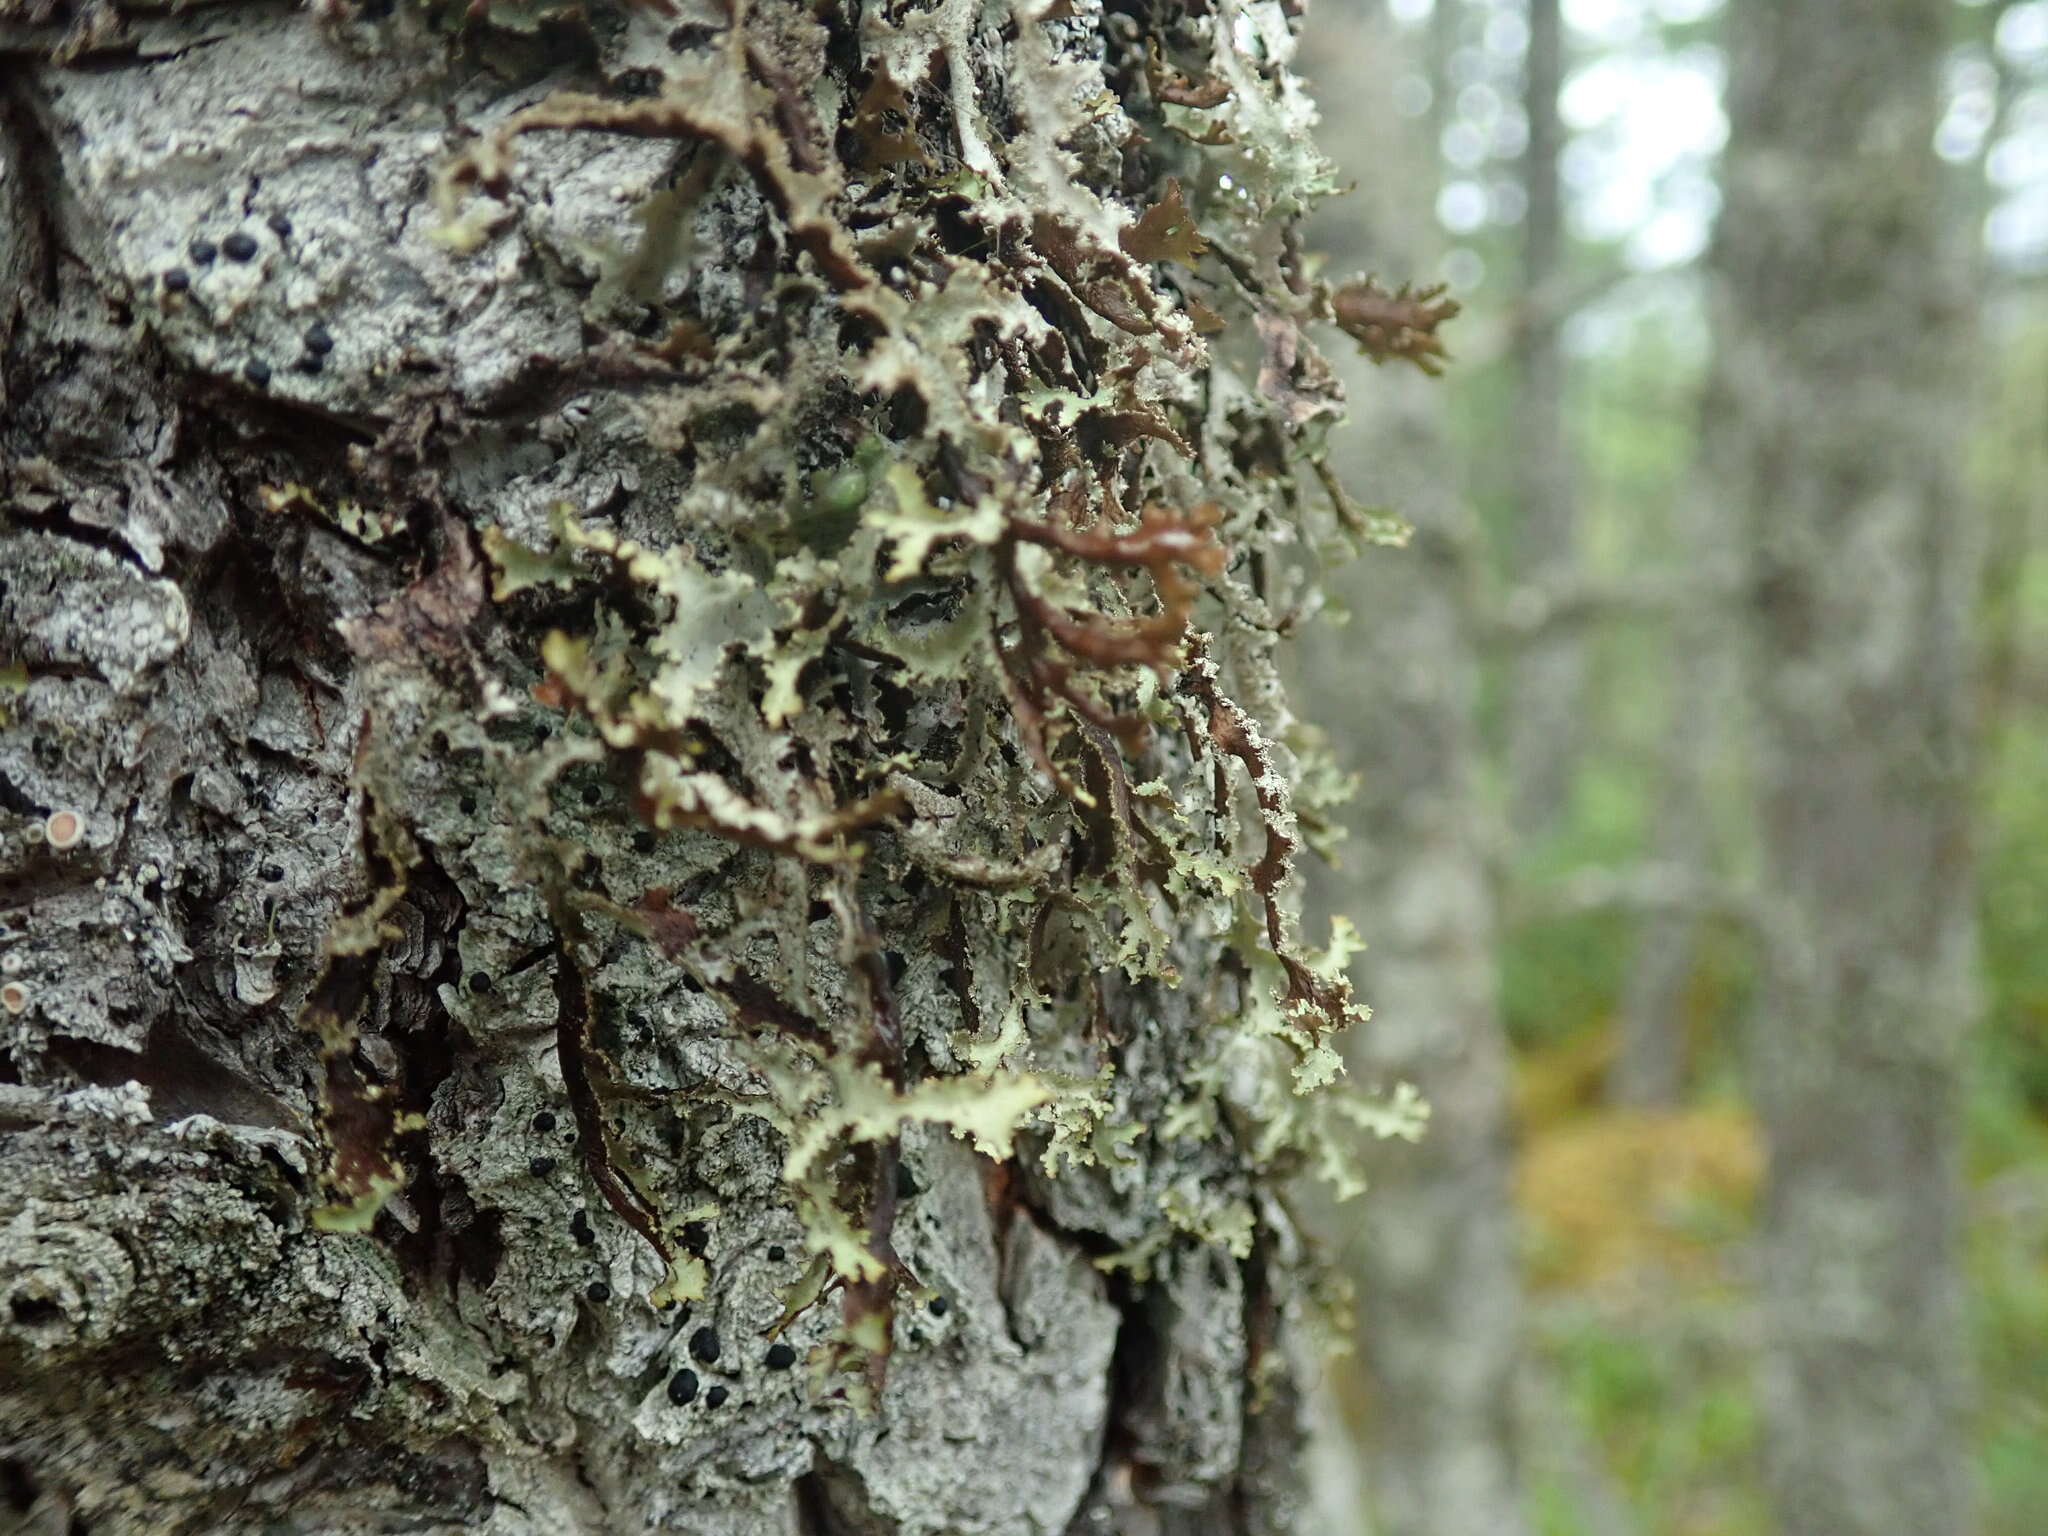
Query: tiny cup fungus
(65,830)
(14,997)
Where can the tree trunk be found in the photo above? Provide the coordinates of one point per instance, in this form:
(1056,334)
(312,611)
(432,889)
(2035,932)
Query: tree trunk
(1436,1254)
(1549,671)
(1838,325)
(1438,1259)
(1652,1058)
(646,880)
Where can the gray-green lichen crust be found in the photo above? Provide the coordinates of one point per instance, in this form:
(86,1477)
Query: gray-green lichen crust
(662,626)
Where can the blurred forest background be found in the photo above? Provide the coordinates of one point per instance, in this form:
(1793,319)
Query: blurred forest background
(1702,733)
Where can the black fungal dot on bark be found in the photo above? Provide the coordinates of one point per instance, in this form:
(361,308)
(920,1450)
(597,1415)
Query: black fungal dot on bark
(541,1167)
(634,84)
(544,1121)
(704,1345)
(696,1237)
(280,225)
(597,1290)
(319,339)
(256,371)
(580,1229)
(716,1397)
(202,252)
(592,794)
(780,1357)
(939,1306)
(240,246)
(312,362)
(273,873)
(643,842)
(682,1387)
(177,280)
(775,1254)
(480,981)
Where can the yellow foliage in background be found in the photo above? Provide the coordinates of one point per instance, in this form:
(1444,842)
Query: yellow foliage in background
(1610,1195)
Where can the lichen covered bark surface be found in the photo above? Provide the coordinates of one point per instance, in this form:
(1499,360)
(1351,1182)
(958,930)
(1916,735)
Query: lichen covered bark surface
(649,823)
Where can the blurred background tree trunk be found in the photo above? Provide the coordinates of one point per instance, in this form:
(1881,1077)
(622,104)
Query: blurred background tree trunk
(1548,672)
(1838,324)
(1434,1248)
(1654,1024)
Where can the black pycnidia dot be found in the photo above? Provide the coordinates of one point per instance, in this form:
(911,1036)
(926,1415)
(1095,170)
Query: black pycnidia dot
(256,371)
(938,1305)
(716,1397)
(696,1236)
(544,1121)
(780,1357)
(280,225)
(597,1290)
(592,794)
(312,362)
(775,1254)
(240,246)
(704,1345)
(682,1387)
(541,1167)
(579,1228)
(643,842)
(202,252)
(273,873)
(176,280)
(319,339)
(480,981)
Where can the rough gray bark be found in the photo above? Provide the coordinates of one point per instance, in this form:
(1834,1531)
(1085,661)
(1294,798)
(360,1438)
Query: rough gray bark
(1839,323)
(1435,1254)
(1548,672)
(669,624)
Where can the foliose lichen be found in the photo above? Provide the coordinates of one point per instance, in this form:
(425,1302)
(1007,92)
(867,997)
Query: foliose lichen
(965,616)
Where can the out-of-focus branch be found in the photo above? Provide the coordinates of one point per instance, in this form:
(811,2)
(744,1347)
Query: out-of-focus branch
(1485,339)
(1639,888)
(1539,608)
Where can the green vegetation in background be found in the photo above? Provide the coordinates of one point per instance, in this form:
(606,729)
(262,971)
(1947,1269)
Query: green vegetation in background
(1662,1391)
